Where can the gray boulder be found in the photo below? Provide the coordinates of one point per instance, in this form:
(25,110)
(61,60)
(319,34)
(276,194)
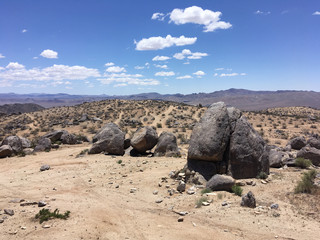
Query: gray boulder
(311,153)
(297,143)
(167,145)
(277,158)
(55,135)
(248,200)
(110,140)
(220,183)
(234,114)
(44,144)
(210,137)
(14,142)
(25,142)
(248,154)
(314,142)
(68,138)
(5,151)
(144,139)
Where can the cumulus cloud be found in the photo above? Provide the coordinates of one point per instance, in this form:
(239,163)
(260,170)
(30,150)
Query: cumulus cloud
(232,74)
(258,12)
(199,73)
(115,69)
(156,43)
(316,13)
(187,53)
(17,72)
(24,30)
(49,54)
(165,74)
(161,66)
(184,77)
(1,56)
(158,16)
(123,79)
(160,58)
(194,14)
(109,64)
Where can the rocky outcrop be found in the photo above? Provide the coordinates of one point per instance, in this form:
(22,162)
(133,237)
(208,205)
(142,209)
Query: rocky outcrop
(68,138)
(314,142)
(311,153)
(297,143)
(44,144)
(167,145)
(14,142)
(144,139)
(55,135)
(277,158)
(110,140)
(25,142)
(220,183)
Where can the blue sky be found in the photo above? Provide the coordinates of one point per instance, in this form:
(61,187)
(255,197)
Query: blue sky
(126,47)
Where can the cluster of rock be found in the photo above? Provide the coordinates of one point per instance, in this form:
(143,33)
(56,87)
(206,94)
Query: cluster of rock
(224,142)
(297,147)
(111,140)
(14,145)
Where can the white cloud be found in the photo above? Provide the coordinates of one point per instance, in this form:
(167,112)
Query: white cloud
(184,77)
(316,13)
(186,63)
(165,74)
(187,53)
(17,72)
(109,64)
(156,43)
(115,69)
(49,54)
(161,66)
(215,75)
(24,30)
(232,74)
(139,67)
(199,73)
(158,16)
(123,79)
(221,69)
(1,56)
(194,14)
(160,58)
(258,12)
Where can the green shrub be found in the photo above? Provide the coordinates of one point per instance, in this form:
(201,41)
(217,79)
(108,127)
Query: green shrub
(206,190)
(200,201)
(45,215)
(305,185)
(262,175)
(237,190)
(119,161)
(302,162)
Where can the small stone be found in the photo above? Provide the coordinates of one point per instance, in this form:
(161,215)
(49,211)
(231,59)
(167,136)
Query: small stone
(254,183)
(1,220)
(205,203)
(274,206)
(180,219)
(249,182)
(42,204)
(181,187)
(224,203)
(23,228)
(46,226)
(9,212)
(159,184)
(117,186)
(44,167)
(133,190)
(263,182)
(159,201)
(123,164)
(155,192)
(276,214)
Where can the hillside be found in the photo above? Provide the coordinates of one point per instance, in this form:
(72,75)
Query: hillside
(18,108)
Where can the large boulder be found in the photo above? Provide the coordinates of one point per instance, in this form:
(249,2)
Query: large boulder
(26,143)
(55,135)
(210,137)
(314,142)
(44,144)
(144,139)
(297,143)
(110,140)
(234,114)
(167,145)
(68,138)
(248,154)
(311,153)
(5,151)
(220,183)
(277,158)
(14,142)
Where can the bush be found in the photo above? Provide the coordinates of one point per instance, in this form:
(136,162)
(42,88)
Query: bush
(206,190)
(305,185)
(262,175)
(159,125)
(45,215)
(200,201)
(302,162)
(237,190)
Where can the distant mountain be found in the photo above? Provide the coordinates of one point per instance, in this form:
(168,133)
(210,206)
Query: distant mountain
(240,98)
(19,108)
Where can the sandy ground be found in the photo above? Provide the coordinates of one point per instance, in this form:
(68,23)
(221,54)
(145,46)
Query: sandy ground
(96,189)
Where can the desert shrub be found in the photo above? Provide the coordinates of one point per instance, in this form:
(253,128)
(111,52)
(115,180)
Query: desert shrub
(220,196)
(305,185)
(302,162)
(45,215)
(237,190)
(206,190)
(262,175)
(159,125)
(119,161)
(200,201)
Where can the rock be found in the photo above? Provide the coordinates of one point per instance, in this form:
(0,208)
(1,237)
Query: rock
(55,135)
(234,114)
(9,212)
(44,144)
(248,200)
(314,142)
(84,118)
(68,138)
(95,119)
(44,167)
(274,206)
(275,158)
(210,137)
(167,145)
(25,142)
(27,151)
(159,200)
(248,154)
(1,220)
(311,153)
(220,183)
(191,190)
(14,142)
(181,187)
(42,204)
(180,219)
(297,143)
(110,139)
(5,151)
(224,203)
(144,139)
(127,143)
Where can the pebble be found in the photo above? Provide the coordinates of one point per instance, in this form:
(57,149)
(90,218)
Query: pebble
(133,190)
(42,204)
(46,226)
(274,206)
(9,212)
(44,167)
(155,192)
(224,203)
(1,220)
(180,219)
(117,186)
(205,203)
(263,182)
(159,201)
(181,187)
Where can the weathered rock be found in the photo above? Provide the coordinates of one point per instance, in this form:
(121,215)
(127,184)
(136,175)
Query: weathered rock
(25,142)
(313,142)
(84,118)
(248,154)
(234,114)
(44,144)
(68,138)
(297,143)
(167,145)
(14,142)
(248,200)
(9,212)
(144,139)
(210,137)
(5,151)
(44,167)
(277,158)
(109,140)
(220,183)
(42,204)
(55,135)
(311,153)
(181,187)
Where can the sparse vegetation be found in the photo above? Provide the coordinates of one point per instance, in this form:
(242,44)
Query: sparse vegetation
(206,190)
(45,215)
(262,175)
(200,201)
(305,185)
(237,190)
(302,162)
